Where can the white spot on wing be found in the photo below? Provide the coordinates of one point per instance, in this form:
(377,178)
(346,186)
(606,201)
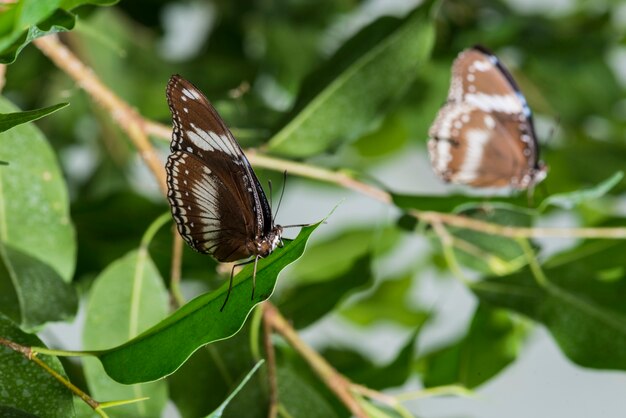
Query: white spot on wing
(476,139)
(507,103)
(192,94)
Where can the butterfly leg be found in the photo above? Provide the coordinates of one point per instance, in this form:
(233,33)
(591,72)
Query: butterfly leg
(232,273)
(256,260)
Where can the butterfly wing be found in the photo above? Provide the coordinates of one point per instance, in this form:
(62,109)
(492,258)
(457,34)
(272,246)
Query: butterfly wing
(484,95)
(216,199)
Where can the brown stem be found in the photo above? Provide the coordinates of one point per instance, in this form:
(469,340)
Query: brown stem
(335,381)
(175,273)
(124,115)
(271,361)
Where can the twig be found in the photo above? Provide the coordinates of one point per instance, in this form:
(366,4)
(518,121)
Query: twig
(175,272)
(3,73)
(124,115)
(31,355)
(271,361)
(333,379)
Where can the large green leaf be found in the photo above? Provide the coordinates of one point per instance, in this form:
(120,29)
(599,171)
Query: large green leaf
(492,343)
(32,293)
(9,120)
(581,303)
(346,107)
(27,390)
(28,20)
(126,299)
(34,213)
(163,348)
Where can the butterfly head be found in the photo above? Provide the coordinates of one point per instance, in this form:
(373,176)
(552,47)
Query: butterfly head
(264,246)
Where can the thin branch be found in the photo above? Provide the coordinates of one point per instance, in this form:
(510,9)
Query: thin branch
(32,356)
(178,299)
(446,390)
(123,114)
(271,361)
(336,382)
(383,398)
(3,73)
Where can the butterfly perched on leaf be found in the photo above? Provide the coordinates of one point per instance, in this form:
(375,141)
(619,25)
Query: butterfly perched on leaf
(216,199)
(484,135)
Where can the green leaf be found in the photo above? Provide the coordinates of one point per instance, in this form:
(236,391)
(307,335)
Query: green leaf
(335,255)
(34,203)
(300,398)
(28,20)
(493,342)
(9,120)
(307,303)
(488,253)
(361,370)
(127,298)
(451,203)
(570,200)
(584,312)
(366,88)
(389,302)
(32,293)
(27,390)
(220,410)
(159,351)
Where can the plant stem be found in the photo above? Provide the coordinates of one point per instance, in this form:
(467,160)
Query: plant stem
(30,354)
(538,274)
(446,390)
(335,381)
(271,361)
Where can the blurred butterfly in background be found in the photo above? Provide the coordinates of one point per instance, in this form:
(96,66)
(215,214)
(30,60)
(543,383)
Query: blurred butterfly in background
(484,135)
(216,199)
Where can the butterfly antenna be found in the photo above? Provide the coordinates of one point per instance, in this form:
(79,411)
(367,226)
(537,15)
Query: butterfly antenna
(281,195)
(269,184)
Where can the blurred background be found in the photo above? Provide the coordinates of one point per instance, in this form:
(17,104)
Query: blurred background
(252,59)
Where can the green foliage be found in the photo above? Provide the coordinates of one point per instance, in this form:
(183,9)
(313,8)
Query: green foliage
(27,20)
(346,89)
(161,350)
(28,390)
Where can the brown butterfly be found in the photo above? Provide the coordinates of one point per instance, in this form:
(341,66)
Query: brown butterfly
(484,135)
(216,199)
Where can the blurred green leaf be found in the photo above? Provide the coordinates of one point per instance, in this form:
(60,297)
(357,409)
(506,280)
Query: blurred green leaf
(299,397)
(163,348)
(333,256)
(9,120)
(28,20)
(488,253)
(362,89)
(570,200)
(220,410)
(493,342)
(361,370)
(126,299)
(391,136)
(27,389)
(389,302)
(34,214)
(307,303)
(584,312)
(32,293)
(451,203)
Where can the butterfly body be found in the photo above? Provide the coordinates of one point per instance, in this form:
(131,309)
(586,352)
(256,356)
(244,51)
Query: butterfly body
(216,199)
(484,135)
